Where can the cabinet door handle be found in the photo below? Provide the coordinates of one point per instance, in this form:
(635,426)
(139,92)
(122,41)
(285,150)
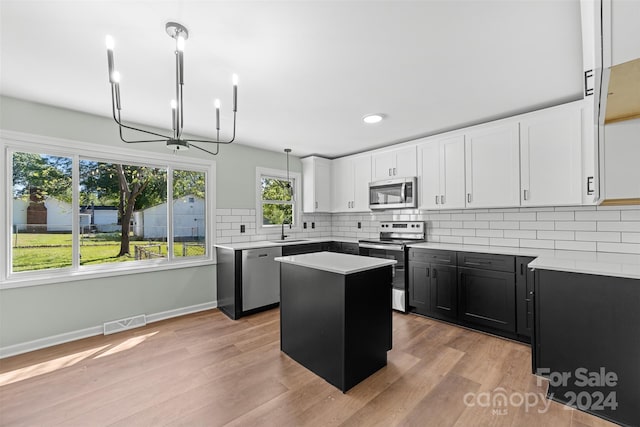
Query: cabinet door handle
(525,194)
(394,171)
(389,171)
(468,197)
(521,269)
(442,202)
(434,273)
(589,185)
(437,202)
(587,90)
(316,205)
(428,272)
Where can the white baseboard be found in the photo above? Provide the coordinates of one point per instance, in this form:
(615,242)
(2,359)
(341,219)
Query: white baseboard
(25,347)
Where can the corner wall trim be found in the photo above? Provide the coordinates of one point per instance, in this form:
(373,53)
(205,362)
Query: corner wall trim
(25,347)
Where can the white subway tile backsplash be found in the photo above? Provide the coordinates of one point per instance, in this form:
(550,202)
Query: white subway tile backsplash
(504,225)
(476,224)
(572,245)
(490,233)
(475,240)
(491,216)
(504,242)
(598,216)
(632,215)
(555,235)
(629,226)
(611,229)
(628,248)
(598,236)
(542,244)
(537,225)
(520,234)
(520,216)
(555,216)
(463,232)
(631,237)
(576,225)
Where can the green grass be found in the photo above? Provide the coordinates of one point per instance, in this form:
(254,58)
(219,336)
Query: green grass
(39,251)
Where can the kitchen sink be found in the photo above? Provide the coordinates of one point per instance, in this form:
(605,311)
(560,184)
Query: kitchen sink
(289,240)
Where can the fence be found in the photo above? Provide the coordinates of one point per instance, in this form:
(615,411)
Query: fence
(146,251)
(193,249)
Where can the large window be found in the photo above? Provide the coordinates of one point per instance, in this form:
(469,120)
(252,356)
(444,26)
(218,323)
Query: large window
(71,212)
(277,198)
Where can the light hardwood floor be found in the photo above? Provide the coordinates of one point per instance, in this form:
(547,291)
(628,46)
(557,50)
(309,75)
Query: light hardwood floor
(206,370)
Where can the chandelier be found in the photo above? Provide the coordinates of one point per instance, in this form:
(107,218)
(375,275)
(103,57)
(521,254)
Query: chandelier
(175,141)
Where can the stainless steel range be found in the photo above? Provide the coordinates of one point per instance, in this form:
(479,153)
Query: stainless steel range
(394,237)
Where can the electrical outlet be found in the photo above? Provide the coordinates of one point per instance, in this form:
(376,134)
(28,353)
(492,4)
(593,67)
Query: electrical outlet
(242,228)
(313,225)
(359,224)
(304,225)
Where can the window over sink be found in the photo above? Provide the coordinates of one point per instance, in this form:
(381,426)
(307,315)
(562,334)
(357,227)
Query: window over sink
(277,198)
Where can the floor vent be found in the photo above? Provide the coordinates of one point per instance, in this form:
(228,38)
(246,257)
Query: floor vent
(124,324)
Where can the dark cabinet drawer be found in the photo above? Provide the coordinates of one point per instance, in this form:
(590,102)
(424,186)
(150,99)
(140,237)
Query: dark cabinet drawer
(304,248)
(506,263)
(350,248)
(431,256)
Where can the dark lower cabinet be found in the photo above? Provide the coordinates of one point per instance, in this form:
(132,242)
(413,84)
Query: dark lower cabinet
(443,292)
(524,298)
(305,248)
(419,287)
(487,299)
(488,292)
(587,342)
(345,248)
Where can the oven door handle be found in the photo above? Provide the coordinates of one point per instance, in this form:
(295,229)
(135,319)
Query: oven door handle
(383,247)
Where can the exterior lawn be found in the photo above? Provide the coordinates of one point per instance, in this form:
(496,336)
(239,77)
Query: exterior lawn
(39,251)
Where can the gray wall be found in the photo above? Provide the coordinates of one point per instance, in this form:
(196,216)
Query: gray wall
(31,313)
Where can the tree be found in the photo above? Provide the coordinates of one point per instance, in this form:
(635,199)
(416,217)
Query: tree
(49,175)
(128,187)
(276,190)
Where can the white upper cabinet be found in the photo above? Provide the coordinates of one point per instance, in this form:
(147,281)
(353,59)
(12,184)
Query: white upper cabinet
(396,163)
(316,184)
(551,158)
(441,169)
(492,158)
(350,183)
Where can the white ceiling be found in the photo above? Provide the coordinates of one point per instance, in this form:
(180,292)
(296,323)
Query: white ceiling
(309,70)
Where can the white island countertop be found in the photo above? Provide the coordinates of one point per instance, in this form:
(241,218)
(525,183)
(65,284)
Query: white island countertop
(336,262)
(598,263)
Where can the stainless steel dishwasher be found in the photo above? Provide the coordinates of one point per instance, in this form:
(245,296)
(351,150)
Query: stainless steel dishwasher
(260,277)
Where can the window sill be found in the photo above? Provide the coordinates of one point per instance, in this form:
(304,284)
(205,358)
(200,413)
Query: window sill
(39,278)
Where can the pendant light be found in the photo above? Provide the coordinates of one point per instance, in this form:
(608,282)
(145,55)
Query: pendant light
(175,141)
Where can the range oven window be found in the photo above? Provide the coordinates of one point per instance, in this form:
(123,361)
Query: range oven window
(398,269)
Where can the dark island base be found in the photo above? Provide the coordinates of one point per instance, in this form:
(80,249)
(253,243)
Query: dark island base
(338,326)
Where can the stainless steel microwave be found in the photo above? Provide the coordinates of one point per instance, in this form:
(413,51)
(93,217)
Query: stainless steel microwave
(396,193)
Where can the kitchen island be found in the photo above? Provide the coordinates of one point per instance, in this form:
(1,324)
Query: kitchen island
(335,314)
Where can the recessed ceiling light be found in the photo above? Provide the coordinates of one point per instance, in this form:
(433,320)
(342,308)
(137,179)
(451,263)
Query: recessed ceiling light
(373,118)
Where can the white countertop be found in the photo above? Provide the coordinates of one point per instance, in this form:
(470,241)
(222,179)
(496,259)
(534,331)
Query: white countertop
(336,262)
(290,241)
(598,263)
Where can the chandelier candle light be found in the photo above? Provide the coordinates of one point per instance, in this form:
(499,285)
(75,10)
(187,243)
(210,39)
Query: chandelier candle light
(176,141)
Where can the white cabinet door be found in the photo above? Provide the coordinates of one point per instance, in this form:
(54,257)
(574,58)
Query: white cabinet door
(396,163)
(429,175)
(316,184)
(323,186)
(361,178)
(342,184)
(452,182)
(551,157)
(492,173)
(382,165)
(406,162)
